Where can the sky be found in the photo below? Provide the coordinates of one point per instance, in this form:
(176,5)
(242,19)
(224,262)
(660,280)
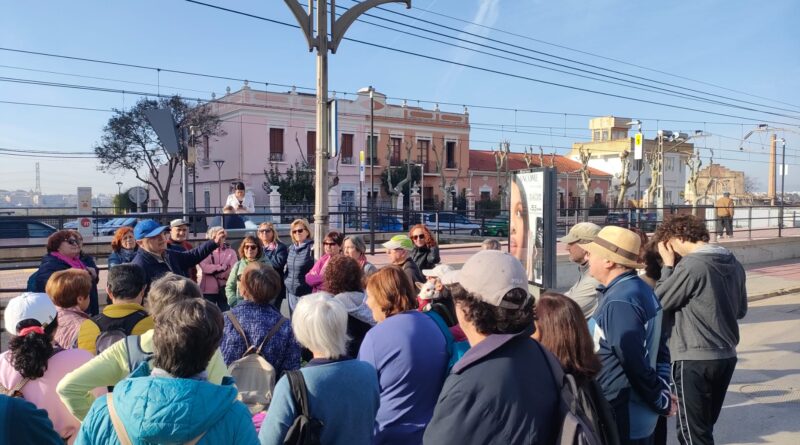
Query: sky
(744,53)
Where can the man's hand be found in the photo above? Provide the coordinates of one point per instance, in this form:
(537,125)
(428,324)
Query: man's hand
(219,238)
(667,254)
(673,409)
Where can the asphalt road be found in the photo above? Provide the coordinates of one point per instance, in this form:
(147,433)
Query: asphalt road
(763,401)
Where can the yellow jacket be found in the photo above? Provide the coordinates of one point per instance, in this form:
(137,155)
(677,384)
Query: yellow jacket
(724,207)
(88,332)
(108,368)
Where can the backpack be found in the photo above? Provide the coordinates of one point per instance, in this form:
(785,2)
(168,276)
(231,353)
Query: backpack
(305,430)
(16,391)
(113,330)
(135,353)
(455,349)
(575,427)
(254,375)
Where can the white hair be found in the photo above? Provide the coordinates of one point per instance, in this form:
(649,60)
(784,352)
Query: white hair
(320,324)
(212,232)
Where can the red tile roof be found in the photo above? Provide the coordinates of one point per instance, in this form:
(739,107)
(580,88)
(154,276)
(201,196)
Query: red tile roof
(483,160)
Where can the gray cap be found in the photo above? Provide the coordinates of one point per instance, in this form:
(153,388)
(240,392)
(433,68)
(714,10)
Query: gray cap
(584,232)
(490,275)
(178,223)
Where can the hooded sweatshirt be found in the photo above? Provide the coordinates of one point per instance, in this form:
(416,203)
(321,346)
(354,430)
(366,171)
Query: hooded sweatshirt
(704,296)
(359,318)
(170,410)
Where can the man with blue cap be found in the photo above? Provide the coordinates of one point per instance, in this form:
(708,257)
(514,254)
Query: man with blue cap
(157,260)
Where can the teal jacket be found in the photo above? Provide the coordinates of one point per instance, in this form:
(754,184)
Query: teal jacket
(167,410)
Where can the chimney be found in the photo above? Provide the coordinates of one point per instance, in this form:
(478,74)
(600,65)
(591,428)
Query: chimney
(772,160)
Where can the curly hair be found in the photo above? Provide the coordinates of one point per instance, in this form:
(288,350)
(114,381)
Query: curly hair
(563,331)
(254,240)
(116,243)
(54,241)
(685,228)
(30,353)
(391,289)
(343,274)
(489,319)
(430,241)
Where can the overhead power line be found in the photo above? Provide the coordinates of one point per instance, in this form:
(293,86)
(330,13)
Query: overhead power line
(493,71)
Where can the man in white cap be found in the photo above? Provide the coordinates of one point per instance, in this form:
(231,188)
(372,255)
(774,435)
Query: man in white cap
(502,389)
(398,249)
(178,232)
(627,331)
(584,291)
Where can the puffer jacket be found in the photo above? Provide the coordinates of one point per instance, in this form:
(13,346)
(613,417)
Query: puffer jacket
(298,263)
(171,410)
(121,256)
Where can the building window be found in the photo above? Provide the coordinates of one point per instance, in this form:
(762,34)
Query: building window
(450,154)
(372,150)
(486,196)
(276,144)
(604,135)
(394,146)
(311,148)
(596,135)
(422,153)
(347,148)
(207,200)
(206,149)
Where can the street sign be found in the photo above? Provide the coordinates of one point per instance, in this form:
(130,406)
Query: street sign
(84,208)
(362,170)
(637,146)
(164,125)
(138,195)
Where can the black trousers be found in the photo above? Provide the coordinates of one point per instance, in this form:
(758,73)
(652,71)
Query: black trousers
(701,386)
(725,223)
(621,408)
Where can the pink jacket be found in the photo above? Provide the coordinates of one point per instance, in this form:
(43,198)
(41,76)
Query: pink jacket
(69,322)
(216,268)
(42,391)
(315,276)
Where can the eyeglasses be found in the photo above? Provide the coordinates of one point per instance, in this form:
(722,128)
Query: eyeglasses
(298,230)
(264,230)
(330,244)
(250,247)
(420,236)
(73,241)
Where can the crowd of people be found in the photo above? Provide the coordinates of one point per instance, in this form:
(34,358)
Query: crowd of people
(193,347)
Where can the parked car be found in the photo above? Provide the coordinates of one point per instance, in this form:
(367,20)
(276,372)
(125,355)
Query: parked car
(649,221)
(112,226)
(495,227)
(384,223)
(451,223)
(24,228)
(617,219)
(97,223)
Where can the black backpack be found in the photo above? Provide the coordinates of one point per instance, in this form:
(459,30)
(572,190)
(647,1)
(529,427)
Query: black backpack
(113,330)
(575,427)
(305,430)
(136,355)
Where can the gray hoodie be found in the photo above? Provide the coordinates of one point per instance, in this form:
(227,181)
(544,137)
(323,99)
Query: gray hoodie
(703,297)
(355,303)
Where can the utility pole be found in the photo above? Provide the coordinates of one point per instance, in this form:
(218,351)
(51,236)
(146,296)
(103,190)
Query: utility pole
(372,169)
(783,178)
(321,43)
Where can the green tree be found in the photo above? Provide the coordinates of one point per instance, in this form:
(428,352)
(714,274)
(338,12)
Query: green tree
(296,186)
(122,203)
(129,143)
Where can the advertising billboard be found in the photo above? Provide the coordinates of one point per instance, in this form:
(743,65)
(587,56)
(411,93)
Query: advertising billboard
(532,220)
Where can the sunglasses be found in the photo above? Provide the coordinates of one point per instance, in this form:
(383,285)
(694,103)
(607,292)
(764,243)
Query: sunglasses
(250,247)
(264,230)
(330,244)
(422,236)
(298,230)
(73,241)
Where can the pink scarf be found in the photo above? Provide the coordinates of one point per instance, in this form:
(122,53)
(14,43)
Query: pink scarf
(73,262)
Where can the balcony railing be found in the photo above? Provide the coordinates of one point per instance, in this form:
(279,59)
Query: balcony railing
(347,160)
(451,164)
(276,157)
(395,161)
(371,161)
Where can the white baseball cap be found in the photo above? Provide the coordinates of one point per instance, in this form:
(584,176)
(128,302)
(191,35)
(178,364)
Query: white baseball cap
(437,272)
(29,306)
(490,275)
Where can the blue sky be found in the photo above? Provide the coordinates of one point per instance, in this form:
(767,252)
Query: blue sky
(740,45)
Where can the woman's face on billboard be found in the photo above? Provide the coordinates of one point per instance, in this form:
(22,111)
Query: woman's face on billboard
(517,223)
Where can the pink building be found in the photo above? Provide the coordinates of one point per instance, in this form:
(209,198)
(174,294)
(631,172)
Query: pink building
(271,128)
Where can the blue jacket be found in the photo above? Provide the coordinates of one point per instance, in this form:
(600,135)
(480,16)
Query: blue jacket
(170,410)
(627,331)
(277,258)
(174,261)
(21,423)
(298,263)
(48,266)
(282,350)
(342,394)
(121,256)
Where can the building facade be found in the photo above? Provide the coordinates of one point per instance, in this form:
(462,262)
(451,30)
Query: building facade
(268,130)
(713,181)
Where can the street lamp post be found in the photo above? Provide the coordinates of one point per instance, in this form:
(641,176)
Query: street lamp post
(372,169)
(637,155)
(783,178)
(119,187)
(320,42)
(218,163)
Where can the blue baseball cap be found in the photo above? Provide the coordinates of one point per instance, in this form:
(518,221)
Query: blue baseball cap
(147,228)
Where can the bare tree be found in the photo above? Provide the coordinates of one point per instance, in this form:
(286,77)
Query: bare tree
(586,156)
(447,187)
(694,163)
(622,176)
(395,189)
(655,160)
(500,160)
